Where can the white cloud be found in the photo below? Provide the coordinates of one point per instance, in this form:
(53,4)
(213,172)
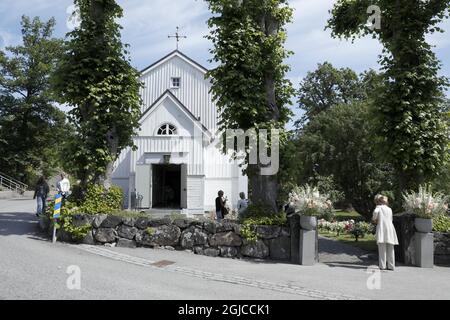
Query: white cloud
(148,23)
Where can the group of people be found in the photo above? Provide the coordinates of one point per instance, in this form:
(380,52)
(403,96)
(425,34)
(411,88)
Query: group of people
(222,208)
(42,191)
(386,235)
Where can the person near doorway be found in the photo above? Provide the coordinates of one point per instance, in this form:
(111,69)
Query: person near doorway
(40,193)
(386,234)
(221,210)
(242,205)
(63,186)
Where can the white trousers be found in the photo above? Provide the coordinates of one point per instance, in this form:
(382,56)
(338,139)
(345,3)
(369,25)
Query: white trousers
(386,254)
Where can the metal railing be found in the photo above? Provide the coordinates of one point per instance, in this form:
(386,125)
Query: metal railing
(12,184)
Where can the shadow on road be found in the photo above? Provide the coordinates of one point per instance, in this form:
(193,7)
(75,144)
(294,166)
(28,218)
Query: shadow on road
(337,254)
(19,224)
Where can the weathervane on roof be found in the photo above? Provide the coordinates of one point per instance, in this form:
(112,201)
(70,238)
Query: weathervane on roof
(178,36)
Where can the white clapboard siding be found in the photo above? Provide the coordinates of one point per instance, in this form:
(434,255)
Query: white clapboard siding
(187,148)
(192,111)
(195,188)
(193,92)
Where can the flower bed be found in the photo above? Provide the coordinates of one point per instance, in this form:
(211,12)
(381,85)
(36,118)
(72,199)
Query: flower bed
(356,229)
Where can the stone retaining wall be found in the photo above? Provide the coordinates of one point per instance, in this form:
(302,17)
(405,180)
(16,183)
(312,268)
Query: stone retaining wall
(201,237)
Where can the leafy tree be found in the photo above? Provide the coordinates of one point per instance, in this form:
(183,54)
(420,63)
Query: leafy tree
(338,143)
(249,84)
(327,87)
(96,78)
(413,136)
(31,125)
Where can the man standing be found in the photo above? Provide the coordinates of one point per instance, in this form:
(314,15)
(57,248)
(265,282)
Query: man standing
(242,205)
(40,193)
(63,186)
(221,210)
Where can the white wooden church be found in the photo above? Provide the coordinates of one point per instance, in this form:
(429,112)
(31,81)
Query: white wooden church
(177,165)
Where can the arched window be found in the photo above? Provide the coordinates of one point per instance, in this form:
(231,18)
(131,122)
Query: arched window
(167,130)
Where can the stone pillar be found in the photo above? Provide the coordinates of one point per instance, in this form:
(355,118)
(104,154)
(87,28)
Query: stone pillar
(406,251)
(294,224)
(424,250)
(308,241)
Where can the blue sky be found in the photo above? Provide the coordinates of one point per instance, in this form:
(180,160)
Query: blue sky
(148,23)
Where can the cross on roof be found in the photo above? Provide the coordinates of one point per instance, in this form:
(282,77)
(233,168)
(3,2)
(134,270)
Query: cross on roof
(178,36)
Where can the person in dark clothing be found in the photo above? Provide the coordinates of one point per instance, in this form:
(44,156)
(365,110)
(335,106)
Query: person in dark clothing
(40,193)
(221,211)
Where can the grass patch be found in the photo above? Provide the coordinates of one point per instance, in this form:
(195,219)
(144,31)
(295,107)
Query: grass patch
(130,214)
(348,215)
(367,243)
(121,214)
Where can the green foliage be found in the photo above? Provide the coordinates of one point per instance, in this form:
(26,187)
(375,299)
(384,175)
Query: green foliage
(328,87)
(442,182)
(96,78)
(129,214)
(77,233)
(65,222)
(338,143)
(327,185)
(277,220)
(441,223)
(361,229)
(150,231)
(413,134)
(175,215)
(248,233)
(256,214)
(99,200)
(250,84)
(30,123)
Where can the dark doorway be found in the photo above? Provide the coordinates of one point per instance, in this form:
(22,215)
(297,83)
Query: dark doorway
(166,186)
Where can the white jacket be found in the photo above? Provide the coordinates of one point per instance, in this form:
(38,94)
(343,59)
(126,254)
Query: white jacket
(385,228)
(63,185)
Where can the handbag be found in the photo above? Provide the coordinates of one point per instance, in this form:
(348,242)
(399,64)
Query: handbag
(225,211)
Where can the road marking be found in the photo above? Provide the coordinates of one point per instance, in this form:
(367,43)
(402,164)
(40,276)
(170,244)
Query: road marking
(170,267)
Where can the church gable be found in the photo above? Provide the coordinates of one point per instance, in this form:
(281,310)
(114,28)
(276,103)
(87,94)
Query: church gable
(185,79)
(169,113)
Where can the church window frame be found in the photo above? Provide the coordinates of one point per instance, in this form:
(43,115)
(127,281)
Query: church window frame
(175,82)
(167,130)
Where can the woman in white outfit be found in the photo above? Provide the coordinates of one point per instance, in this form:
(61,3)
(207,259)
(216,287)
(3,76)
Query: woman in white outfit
(386,235)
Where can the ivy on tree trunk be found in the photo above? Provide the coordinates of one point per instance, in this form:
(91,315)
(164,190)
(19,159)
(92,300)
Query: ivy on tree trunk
(96,78)
(408,109)
(249,84)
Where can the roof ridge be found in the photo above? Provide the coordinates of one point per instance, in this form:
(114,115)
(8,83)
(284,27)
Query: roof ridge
(171,54)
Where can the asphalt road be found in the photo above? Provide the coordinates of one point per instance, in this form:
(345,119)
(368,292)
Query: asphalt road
(31,267)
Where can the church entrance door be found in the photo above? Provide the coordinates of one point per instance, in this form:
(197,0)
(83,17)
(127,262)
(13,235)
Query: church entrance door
(167,186)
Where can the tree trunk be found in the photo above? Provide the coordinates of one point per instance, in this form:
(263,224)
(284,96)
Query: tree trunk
(113,142)
(264,189)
